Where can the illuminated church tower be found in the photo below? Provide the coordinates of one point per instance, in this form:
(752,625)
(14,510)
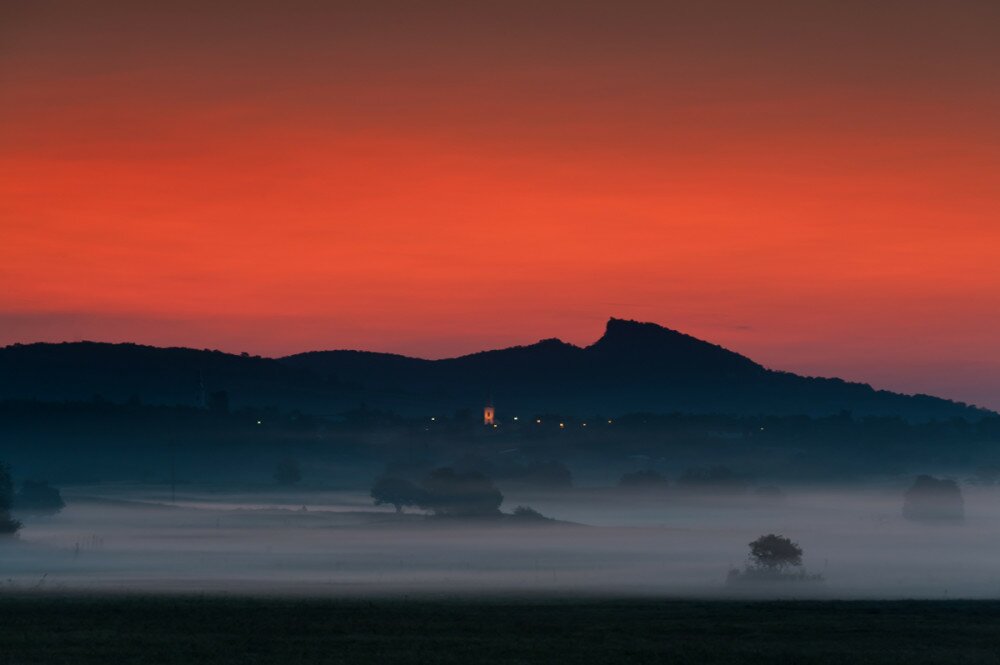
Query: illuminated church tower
(488,414)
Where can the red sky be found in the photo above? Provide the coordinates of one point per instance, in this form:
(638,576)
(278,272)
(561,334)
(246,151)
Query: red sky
(813,184)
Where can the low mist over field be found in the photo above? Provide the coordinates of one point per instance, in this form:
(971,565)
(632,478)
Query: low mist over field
(131,538)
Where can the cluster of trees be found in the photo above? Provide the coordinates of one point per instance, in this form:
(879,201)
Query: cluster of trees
(443,491)
(932,499)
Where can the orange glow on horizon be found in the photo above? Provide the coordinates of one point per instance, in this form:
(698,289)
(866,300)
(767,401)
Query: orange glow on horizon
(814,191)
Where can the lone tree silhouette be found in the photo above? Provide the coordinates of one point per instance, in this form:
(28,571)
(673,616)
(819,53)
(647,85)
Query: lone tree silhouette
(775,553)
(773,559)
(8,525)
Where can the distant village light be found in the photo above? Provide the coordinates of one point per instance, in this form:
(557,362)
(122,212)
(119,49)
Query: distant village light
(562,425)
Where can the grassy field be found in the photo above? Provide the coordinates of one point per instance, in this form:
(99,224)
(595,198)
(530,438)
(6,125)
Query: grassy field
(130,629)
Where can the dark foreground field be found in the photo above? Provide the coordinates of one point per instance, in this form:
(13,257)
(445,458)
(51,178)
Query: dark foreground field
(74,629)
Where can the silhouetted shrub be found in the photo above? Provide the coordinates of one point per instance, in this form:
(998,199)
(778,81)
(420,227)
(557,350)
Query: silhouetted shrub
(397,492)
(643,480)
(287,472)
(38,497)
(460,494)
(932,499)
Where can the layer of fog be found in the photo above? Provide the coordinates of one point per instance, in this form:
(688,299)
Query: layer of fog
(136,538)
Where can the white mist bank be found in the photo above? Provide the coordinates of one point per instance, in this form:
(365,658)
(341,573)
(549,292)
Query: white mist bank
(117,538)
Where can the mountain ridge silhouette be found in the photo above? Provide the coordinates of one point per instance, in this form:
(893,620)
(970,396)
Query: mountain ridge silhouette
(633,367)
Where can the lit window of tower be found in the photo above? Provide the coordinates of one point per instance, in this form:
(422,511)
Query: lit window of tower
(488,414)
